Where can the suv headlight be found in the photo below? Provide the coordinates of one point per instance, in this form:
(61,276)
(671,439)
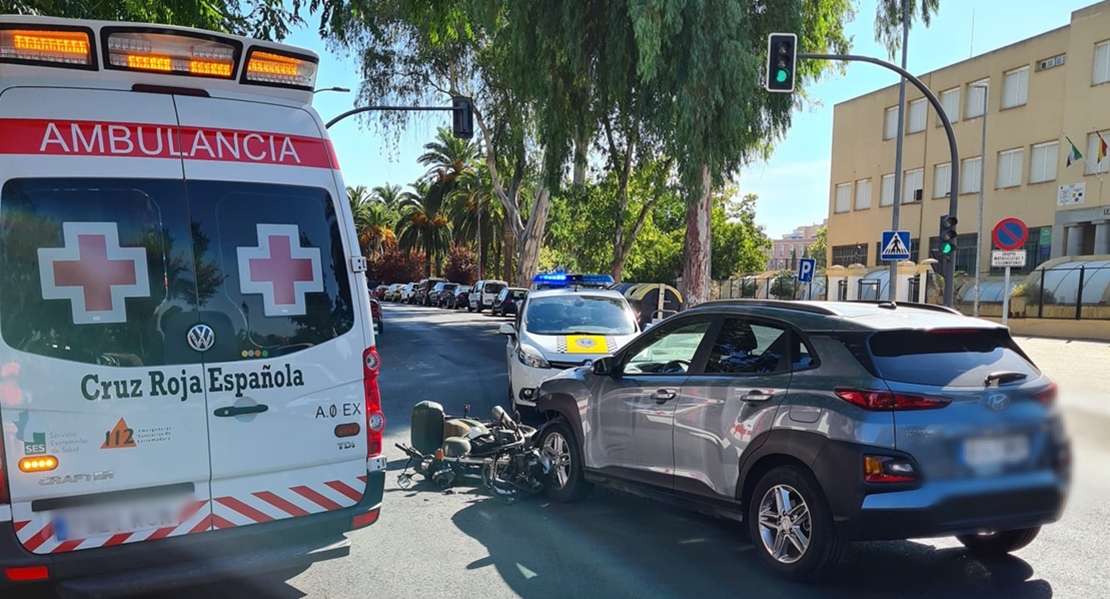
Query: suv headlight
(531,357)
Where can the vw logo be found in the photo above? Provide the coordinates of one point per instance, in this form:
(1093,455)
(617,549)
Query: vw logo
(201,337)
(998,401)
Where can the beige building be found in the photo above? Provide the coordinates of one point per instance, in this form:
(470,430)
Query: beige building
(1037,92)
(792,245)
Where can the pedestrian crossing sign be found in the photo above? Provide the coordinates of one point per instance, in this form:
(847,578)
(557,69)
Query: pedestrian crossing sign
(895,245)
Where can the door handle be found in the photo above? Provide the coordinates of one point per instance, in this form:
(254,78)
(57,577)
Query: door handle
(240,411)
(663,396)
(755,395)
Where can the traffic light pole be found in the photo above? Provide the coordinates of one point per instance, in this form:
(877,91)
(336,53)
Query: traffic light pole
(461,108)
(948,262)
(363,109)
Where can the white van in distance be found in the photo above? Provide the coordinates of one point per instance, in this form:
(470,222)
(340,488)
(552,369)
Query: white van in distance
(188,372)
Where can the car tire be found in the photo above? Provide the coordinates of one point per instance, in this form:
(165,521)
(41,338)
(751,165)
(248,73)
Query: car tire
(999,543)
(566,483)
(820,549)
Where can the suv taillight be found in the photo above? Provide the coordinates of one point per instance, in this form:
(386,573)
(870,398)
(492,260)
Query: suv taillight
(375,420)
(888,401)
(1046,396)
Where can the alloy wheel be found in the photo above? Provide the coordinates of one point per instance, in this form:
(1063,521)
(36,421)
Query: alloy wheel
(784,524)
(558,449)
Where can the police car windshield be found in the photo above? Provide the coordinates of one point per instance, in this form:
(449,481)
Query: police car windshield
(578,314)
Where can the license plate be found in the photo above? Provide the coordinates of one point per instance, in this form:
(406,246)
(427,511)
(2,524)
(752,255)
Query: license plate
(996,451)
(112,521)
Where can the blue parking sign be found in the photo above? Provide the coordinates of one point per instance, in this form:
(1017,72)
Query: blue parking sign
(895,245)
(806,266)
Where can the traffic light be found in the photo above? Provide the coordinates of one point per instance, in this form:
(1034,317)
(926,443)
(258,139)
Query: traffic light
(782,57)
(462,109)
(948,235)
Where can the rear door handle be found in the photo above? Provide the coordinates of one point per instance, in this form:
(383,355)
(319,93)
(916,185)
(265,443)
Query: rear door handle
(663,395)
(235,411)
(755,395)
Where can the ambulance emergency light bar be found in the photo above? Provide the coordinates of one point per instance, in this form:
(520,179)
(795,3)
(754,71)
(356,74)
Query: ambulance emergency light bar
(558,280)
(156,50)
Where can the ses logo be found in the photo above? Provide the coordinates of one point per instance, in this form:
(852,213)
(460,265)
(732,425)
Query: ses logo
(36,446)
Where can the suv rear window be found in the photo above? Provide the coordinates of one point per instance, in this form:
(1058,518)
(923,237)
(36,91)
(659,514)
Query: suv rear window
(941,358)
(492,288)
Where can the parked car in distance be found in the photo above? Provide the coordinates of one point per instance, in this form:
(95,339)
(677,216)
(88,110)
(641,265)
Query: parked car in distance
(376,315)
(392,293)
(444,292)
(379,292)
(423,292)
(483,294)
(405,294)
(508,301)
(817,423)
(460,298)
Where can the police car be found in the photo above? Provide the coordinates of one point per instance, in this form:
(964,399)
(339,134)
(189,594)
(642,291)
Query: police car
(188,373)
(566,321)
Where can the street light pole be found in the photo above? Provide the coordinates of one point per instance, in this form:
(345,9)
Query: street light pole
(892,285)
(341,90)
(982,186)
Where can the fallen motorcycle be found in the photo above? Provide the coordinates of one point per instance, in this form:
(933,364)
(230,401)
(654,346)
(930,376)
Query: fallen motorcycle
(500,452)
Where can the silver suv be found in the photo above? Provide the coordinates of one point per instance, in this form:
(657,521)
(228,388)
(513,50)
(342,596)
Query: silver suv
(818,423)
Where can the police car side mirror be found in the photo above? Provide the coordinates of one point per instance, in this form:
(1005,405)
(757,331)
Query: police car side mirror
(507,328)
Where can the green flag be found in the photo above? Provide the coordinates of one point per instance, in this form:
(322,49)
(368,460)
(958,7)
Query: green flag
(1074,155)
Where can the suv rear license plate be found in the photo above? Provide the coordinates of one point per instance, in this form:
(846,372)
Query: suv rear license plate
(117,520)
(996,451)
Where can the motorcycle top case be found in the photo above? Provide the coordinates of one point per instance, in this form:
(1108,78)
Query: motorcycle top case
(427,427)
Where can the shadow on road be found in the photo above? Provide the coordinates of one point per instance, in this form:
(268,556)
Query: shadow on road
(612,546)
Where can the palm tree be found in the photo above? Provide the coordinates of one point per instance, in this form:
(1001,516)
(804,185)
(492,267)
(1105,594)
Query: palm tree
(388,194)
(424,225)
(475,212)
(448,157)
(372,221)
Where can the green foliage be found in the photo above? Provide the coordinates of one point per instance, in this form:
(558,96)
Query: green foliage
(888,20)
(818,250)
(783,285)
(738,243)
(1033,293)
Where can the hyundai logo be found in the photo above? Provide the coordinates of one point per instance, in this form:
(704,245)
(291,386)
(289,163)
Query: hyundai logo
(201,337)
(998,401)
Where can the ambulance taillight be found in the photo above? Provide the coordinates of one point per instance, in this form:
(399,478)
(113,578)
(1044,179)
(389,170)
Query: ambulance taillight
(375,419)
(267,67)
(28,45)
(173,54)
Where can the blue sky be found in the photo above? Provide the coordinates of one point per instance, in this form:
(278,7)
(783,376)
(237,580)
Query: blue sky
(793,185)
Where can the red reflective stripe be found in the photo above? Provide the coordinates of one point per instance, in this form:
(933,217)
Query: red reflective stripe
(219,522)
(345,489)
(119,539)
(204,525)
(280,503)
(362,478)
(244,509)
(60,137)
(19,525)
(317,498)
(39,538)
(191,510)
(67,546)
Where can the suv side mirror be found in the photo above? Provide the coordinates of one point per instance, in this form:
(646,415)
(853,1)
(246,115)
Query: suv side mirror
(507,328)
(603,366)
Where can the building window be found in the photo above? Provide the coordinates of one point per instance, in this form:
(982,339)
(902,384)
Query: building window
(976,98)
(1102,63)
(911,185)
(1009,167)
(1042,164)
(950,100)
(916,118)
(942,180)
(1092,154)
(847,255)
(971,169)
(1048,63)
(863,194)
(890,123)
(843,197)
(887,197)
(1015,87)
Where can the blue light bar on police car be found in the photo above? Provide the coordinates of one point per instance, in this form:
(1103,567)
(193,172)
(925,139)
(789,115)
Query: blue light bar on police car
(554,280)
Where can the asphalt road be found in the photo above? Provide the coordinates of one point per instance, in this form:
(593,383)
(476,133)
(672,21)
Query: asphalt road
(463,544)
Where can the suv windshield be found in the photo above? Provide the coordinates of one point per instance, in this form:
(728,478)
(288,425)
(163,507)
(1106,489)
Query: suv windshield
(941,358)
(578,314)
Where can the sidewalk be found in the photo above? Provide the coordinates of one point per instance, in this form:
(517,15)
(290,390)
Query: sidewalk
(1080,368)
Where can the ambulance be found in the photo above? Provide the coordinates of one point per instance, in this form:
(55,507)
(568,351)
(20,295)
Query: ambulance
(188,373)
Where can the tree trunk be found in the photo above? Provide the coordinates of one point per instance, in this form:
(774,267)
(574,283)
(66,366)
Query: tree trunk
(427,264)
(581,152)
(508,246)
(697,250)
(532,239)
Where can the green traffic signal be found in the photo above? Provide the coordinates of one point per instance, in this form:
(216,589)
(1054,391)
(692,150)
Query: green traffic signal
(782,75)
(946,248)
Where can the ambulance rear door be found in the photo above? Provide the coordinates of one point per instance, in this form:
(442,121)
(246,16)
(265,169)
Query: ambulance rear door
(284,364)
(101,401)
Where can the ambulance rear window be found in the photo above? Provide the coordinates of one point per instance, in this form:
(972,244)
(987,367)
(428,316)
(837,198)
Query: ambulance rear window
(98,271)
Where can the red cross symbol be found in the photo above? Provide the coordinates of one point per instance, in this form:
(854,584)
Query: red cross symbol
(280,270)
(94,272)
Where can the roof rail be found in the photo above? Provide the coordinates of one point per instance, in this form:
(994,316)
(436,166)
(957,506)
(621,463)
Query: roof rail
(769,303)
(918,305)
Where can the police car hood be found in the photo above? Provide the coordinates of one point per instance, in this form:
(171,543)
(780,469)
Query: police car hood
(576,348)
